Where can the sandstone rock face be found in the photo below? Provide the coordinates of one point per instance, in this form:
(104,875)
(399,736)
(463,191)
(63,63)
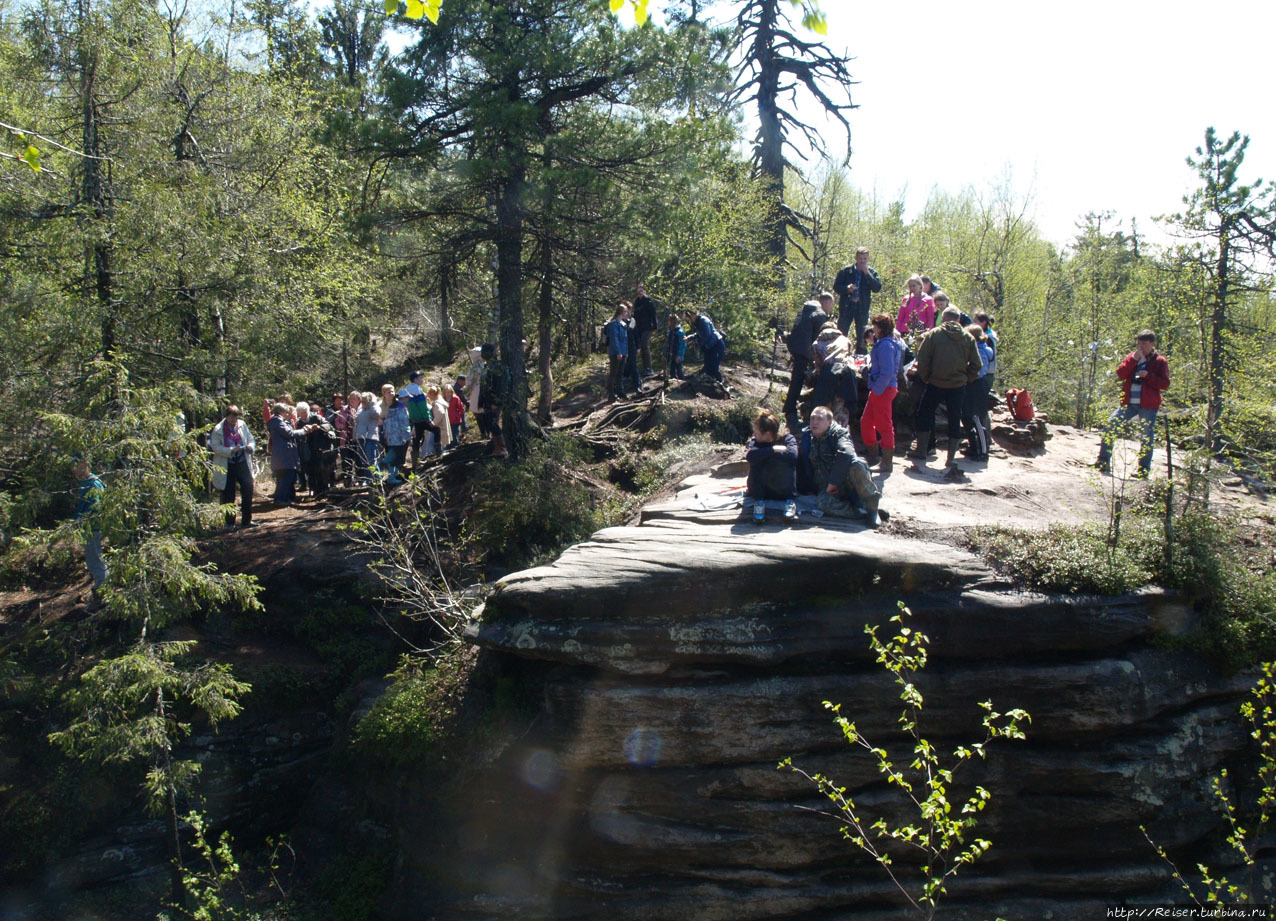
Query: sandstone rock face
(679,661)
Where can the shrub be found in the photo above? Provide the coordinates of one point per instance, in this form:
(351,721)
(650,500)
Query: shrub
(534,506)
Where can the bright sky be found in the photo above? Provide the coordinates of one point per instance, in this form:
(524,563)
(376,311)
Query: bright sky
(1089,105)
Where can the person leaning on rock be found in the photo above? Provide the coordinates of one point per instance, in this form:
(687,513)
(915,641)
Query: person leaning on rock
(808,322)
(947,360)
(840,479)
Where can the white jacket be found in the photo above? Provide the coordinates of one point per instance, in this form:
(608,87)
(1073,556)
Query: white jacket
(222,452)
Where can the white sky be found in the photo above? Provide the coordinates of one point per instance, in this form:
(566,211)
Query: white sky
(1090,105)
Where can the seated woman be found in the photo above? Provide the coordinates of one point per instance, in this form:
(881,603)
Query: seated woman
(772,460)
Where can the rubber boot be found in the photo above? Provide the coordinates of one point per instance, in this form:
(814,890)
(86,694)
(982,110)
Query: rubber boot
(888,461)
(498,446)
(919,452)
(870,455)
(952,453)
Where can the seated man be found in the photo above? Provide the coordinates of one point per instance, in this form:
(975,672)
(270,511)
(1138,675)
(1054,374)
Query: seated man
(841,480)
(772,460)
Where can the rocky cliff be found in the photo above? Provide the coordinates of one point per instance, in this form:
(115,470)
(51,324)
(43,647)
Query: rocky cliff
(676,662)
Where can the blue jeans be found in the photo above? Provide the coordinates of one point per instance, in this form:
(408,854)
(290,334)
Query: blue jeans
(1147,423)
(93,559)
(371,450)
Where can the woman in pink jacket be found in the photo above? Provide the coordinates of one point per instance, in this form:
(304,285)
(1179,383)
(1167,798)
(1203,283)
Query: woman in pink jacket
(917,310)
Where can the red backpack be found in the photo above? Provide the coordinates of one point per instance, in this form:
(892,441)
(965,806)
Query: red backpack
(1020,404)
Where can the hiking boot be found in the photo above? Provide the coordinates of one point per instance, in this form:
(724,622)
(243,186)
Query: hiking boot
(870,512)
(920,451)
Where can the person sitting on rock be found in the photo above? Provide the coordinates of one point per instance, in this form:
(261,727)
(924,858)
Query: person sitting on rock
(842,484)
(772,460)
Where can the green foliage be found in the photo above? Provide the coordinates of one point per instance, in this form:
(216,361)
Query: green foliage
(1245,832)
(1220,564)
(214,882)
(533,506)
(128,710)
(1070,559)
(938,837)
(729,423)
(409,721)
(150,511)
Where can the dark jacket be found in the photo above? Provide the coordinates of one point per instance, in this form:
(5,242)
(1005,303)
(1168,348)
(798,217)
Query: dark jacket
(948,357)
(868,283)
(494,392)
(805,325)
(283,445)
(772,468)
(322,442)
(1158,379)
(645,314)
(826,460)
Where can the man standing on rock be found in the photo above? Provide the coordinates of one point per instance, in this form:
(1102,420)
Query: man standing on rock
(856,283)
(1144,373)
(839,477)
(947,360)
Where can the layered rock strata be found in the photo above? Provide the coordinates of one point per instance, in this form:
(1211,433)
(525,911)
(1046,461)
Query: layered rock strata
(677,662)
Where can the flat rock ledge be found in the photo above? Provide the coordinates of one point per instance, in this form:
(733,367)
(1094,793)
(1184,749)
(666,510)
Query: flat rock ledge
(676,662)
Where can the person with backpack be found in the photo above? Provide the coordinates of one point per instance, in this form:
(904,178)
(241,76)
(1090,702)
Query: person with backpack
(88,501)
(947,360)
(644,325)
(421,415)
(806,325)
(1144,373)
(713,345)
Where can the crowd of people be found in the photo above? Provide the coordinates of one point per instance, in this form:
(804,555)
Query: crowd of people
(627,339)
(358,438)
(930,344)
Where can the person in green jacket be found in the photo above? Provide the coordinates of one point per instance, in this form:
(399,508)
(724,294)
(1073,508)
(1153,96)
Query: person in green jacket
(88,498)
(947,360)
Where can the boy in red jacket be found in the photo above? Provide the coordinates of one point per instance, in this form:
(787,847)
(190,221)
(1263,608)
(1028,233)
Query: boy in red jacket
(1143,374)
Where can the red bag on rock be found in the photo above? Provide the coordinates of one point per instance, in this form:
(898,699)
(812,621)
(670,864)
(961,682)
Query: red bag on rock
(1020,404)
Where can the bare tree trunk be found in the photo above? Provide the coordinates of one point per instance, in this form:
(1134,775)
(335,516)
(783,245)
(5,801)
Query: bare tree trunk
(771,137)
(544,333)
(1218,350)
(445,312)
(509,295)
